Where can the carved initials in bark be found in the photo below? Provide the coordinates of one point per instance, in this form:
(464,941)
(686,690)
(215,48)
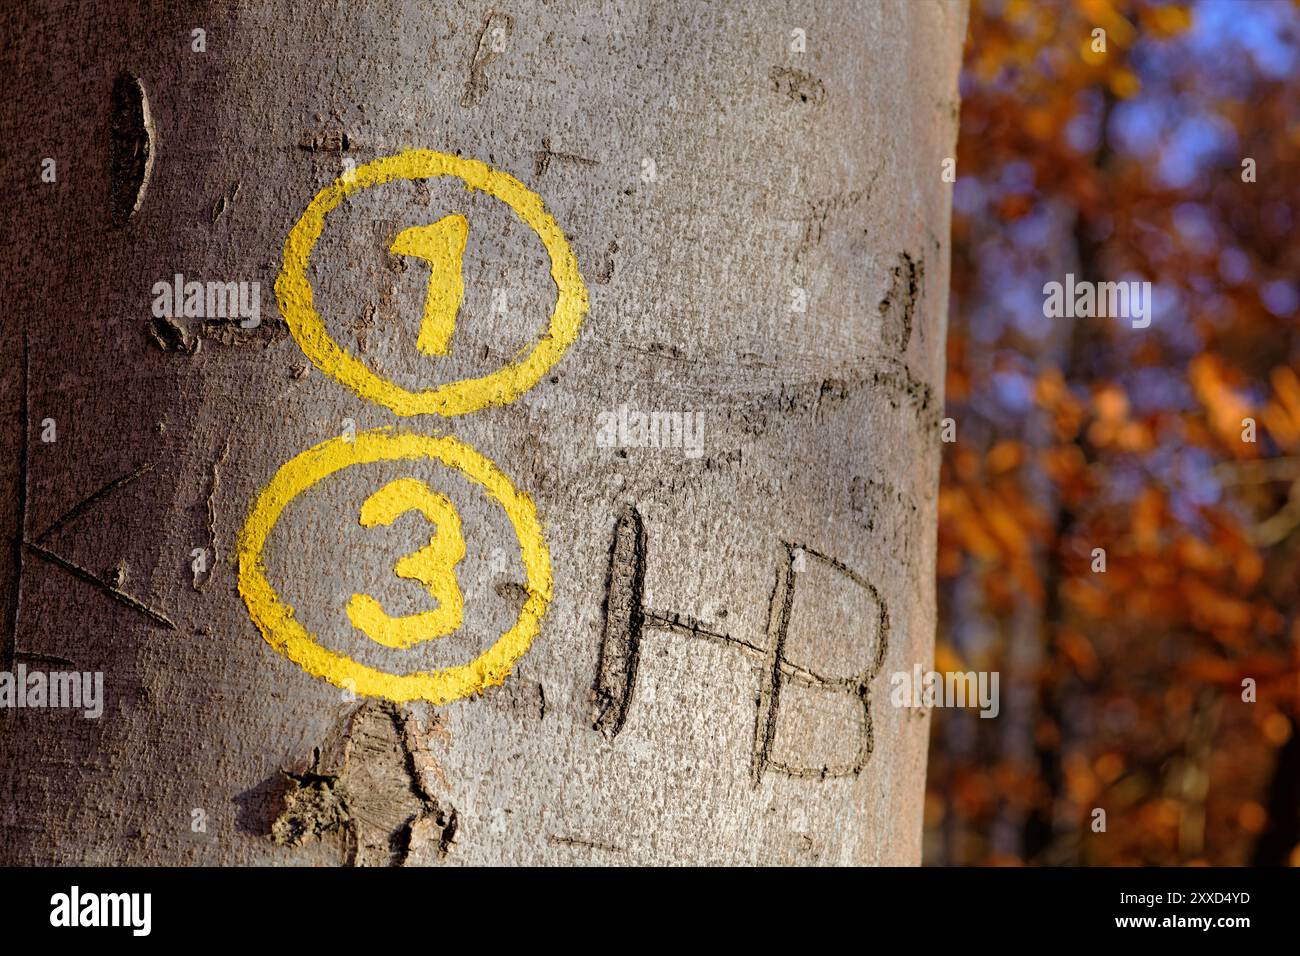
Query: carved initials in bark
(784,658)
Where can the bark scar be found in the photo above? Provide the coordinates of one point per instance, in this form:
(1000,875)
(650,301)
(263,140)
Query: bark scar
(131,154)
(496,30)
(620,642)
(898,307)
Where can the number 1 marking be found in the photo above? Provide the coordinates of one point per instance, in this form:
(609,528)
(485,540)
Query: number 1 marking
(442,245)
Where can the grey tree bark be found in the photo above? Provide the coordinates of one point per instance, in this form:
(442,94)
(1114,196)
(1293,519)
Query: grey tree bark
(753,196)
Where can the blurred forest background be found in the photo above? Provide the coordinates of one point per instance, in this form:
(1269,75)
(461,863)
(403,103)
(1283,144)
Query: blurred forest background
(1123,690)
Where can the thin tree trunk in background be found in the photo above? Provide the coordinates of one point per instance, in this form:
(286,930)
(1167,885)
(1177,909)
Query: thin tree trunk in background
(1276,845)
(1051,834)
(753,197)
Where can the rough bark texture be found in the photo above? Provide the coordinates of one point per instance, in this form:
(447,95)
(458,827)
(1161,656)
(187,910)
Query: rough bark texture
(721,624)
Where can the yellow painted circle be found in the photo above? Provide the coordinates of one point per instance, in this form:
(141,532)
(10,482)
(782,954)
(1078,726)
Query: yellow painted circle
(275,619)
(294,294)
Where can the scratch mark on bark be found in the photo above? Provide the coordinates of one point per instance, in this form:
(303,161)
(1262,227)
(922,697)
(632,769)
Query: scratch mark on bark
(820,212)
(20,533)
(89,577)
(584,844)
(232,331)
(542,158)
(81,507)
(325,141)
(685,624)
(224,201)
(605,272)
(48,659)
(778,623)
(212,511)
(496,27)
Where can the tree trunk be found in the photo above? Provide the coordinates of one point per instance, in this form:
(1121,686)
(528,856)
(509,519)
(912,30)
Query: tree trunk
(745,227)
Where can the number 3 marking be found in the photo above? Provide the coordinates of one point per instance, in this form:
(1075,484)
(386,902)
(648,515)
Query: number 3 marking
(434,566)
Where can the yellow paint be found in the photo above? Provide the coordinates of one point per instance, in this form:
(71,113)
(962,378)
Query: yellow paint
(442,245)
(434,566)
(294,293)
(275,618)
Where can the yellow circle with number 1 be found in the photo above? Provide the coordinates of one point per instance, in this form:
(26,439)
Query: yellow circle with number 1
(282,630)
(294,293)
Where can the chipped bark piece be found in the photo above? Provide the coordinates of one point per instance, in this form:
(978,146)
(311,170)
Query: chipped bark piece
(797,85)
(325,141)
(365,792)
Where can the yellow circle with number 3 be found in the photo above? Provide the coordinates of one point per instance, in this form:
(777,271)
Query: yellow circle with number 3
(275,619)
(294,293)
